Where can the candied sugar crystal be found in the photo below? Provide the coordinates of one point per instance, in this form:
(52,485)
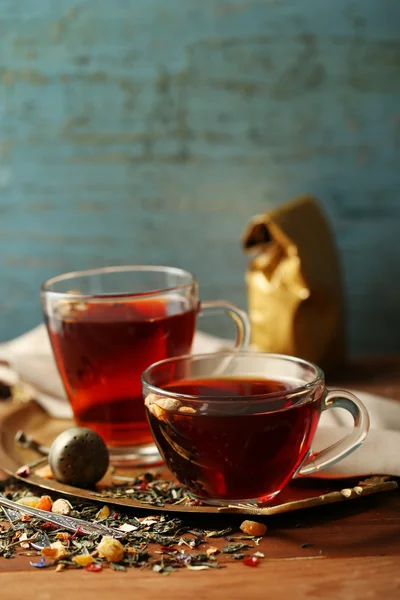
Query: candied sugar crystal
(110,549)
(253,528)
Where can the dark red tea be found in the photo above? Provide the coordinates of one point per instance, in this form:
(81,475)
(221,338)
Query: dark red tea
(245,451)
(102,348)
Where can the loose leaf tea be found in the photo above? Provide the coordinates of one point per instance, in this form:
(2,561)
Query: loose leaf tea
(159,543)
(147,489)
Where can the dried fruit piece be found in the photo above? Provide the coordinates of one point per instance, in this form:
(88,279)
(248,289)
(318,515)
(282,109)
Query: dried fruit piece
(26,518)
(61,507)
(47,526)
(83,559)
(45,503)
(64,536)
(103,512)
(16,536)
(158,406)
(110,549)
(187,410)
(31,501)
(251,561)
(45,472)
(93,568)
(253,528)
(55,551)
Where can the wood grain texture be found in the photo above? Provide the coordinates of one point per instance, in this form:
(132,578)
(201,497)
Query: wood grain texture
(352,549)
(151,131)
(352,579)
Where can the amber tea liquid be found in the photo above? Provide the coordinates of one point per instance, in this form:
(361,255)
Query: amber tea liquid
(102,348)
(246,453)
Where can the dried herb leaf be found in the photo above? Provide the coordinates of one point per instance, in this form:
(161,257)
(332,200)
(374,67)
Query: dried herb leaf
(117,567)
(234,548)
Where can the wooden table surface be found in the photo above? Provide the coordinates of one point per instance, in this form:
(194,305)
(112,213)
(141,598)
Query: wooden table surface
(353,548)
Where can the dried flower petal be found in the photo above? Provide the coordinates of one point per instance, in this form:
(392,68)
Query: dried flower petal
(110,549)
(78,531)
(39,564)
(127,528)
(253,528)
(23,471)
(212,550)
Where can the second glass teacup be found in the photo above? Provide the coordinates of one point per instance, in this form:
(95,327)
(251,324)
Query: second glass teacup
(237,427)
(106,327)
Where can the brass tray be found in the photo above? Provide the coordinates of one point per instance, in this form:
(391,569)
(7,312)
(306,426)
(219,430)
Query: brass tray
(304,493)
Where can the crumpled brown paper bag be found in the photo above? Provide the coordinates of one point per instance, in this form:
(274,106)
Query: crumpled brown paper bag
(295,288)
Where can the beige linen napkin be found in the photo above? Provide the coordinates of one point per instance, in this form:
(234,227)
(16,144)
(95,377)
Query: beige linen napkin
(29,360)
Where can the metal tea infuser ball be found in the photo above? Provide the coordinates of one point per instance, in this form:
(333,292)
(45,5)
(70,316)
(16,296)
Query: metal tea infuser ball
(78,456)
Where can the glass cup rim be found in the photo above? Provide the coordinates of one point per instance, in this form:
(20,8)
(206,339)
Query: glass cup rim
(319,377)
(45,291)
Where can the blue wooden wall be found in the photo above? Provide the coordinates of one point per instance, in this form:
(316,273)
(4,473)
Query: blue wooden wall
(149,131)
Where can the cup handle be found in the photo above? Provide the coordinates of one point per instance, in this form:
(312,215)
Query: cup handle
(316,461)
(239,316)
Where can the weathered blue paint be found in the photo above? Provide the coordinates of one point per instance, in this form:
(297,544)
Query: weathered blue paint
(150,131)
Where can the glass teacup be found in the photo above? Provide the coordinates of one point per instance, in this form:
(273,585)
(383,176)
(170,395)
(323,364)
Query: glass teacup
(237,427)
(106,327)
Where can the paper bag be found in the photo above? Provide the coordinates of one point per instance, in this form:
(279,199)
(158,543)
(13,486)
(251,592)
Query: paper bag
(295,288)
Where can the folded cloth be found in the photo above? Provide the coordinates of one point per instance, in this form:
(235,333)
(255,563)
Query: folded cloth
(28,359)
